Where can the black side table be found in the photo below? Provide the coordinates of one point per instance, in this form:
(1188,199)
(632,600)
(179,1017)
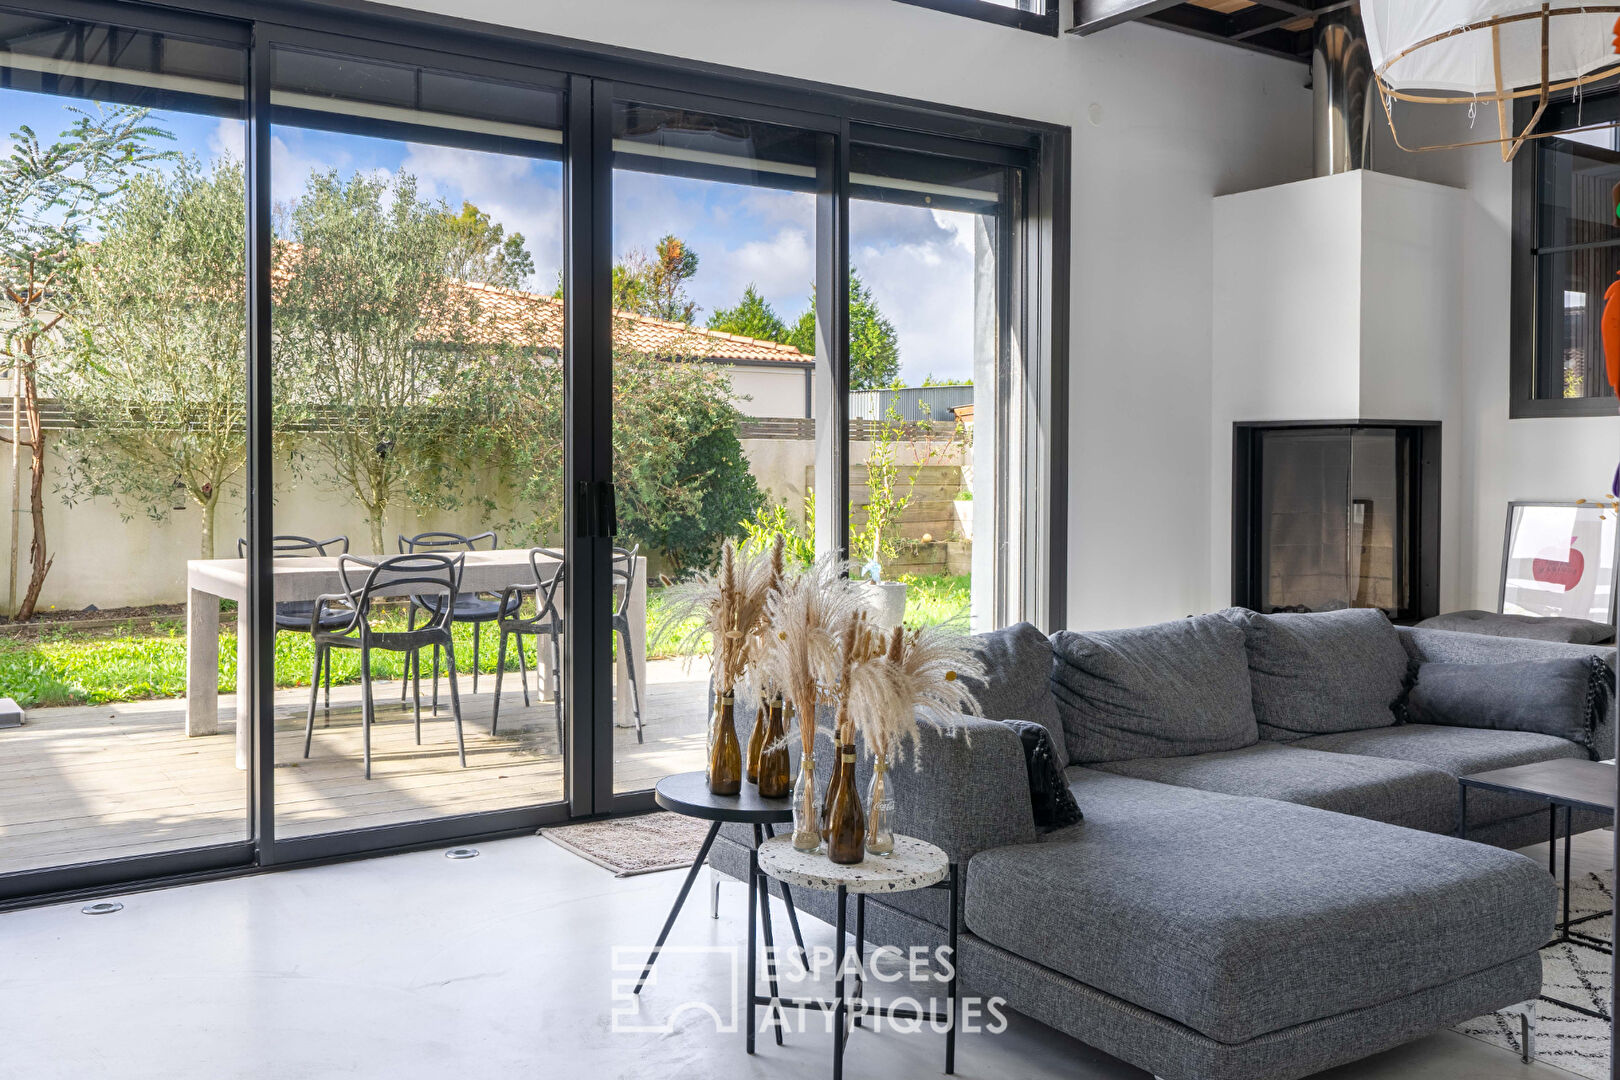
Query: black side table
(689,794)
(1569,784)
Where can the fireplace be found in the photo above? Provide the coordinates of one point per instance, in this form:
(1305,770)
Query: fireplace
(1335,515)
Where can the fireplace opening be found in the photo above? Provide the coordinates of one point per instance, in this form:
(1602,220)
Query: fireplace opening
(1336,515)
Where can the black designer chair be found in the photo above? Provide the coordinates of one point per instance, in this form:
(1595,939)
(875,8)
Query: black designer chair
(624,580)
(547,619)
(475,608)
(427,575)
(294,615)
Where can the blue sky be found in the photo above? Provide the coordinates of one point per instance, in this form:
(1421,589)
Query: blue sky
(917,262)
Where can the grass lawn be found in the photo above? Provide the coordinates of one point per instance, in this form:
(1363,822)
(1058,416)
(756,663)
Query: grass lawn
(111,664)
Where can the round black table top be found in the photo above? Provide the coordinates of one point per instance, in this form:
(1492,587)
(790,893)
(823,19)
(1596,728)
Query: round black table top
(688,793)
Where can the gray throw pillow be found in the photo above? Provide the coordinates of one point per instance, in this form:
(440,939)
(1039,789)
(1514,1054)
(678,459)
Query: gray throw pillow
(1018,665)
(1562,696)
(1536,627)
(1171,690)
(1322,672)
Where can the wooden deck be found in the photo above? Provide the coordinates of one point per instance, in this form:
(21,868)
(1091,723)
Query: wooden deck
(102,782)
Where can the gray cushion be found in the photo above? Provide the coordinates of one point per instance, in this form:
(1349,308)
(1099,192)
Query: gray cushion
(1395,792)
(1176,688)
(1457,751)
(1018,661)
(1238,917)
(1540,628)
(1562,696)
(1322,672)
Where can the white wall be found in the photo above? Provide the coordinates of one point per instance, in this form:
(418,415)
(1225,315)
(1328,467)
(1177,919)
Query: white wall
(1161,122)
(1499,459)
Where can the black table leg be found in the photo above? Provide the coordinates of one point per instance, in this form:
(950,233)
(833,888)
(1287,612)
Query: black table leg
(951,1005)
(1569,830)
(748,985)
(680,900)
(838,989)
(793,914)
(1462,811)
(770,945)
(860,954)
(1552,839)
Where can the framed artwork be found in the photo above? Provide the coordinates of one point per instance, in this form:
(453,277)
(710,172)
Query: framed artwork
(1559,559)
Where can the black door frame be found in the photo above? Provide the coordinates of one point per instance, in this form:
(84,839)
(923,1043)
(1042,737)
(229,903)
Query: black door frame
(590,75)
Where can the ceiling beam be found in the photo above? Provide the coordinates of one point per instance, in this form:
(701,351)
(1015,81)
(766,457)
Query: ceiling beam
(1200,23)
(1091,16)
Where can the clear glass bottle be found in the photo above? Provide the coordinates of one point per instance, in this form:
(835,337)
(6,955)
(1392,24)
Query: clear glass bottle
(806,810)
(880,811)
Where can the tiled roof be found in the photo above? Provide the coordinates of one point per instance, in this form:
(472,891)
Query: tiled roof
(513,317)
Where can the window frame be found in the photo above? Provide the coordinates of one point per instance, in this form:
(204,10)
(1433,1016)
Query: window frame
(1041,22)
(1524,309)
(1037,316)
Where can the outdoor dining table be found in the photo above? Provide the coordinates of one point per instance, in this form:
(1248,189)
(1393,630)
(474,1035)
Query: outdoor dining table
(297,578)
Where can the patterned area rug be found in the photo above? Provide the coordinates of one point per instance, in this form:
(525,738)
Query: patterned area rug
(643,844)
(1574,1039)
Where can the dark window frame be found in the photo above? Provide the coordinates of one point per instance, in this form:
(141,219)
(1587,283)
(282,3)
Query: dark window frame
(1524,307)
(1037,261)
(1041,21)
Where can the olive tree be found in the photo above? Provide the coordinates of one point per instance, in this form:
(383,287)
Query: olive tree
(157,383)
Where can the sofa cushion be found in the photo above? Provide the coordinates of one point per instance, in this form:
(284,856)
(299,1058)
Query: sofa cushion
(1457,751)
(1562,696)
(1538,627)
(1238,917)
(1049,797)
(1322,672)
(1018,663)
(1395,792)
(1176,688)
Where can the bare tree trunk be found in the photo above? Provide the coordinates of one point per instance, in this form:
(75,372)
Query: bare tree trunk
(38,564)
(374,517)
(208,507)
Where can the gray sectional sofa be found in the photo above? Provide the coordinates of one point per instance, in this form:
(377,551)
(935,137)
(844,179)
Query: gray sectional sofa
(1276,889)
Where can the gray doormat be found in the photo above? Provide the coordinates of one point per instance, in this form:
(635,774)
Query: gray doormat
(629,846)
(1568,1038)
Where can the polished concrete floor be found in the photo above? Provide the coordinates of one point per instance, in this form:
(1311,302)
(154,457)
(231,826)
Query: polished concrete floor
(486,968)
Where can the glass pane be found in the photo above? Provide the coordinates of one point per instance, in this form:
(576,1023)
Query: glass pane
(1569,343)
(714,369)
(1305,520)
(927,466)
(123,374)
(418,401)
(1578,175)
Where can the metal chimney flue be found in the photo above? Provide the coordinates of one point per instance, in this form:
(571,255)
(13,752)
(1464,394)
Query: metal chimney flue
(1341,78)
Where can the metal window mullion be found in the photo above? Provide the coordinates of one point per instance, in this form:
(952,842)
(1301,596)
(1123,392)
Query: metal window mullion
(257,704)
(832,345)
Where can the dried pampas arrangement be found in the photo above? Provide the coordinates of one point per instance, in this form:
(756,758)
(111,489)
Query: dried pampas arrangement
(728,607)
(801,654)
(903,677)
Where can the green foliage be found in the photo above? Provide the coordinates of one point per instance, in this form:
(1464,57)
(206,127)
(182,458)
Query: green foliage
(480,250)
(874,347)
(367,323)
(768,523)
(52,198)
(876,538)
(656,285)
(752,316)
(157,383)
(938,600)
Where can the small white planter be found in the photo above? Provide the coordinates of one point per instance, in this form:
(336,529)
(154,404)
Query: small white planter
(886,600)
(964,517)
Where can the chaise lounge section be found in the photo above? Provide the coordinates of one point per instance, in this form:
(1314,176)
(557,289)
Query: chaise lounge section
(1260,911)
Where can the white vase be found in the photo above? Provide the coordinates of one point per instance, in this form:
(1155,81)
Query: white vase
(886,601)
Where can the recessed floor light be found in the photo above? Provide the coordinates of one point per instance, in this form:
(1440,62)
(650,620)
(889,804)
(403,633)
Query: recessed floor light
(105,907)
(462,853)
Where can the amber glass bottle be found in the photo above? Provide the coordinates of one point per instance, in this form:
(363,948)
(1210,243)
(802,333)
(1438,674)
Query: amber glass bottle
(832,788)
(846,838)
(756,741)
(775,778)
(725,756)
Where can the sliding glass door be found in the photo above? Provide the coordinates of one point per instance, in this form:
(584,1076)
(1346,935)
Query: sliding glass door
(419,394)
(122,381)
(282,305)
